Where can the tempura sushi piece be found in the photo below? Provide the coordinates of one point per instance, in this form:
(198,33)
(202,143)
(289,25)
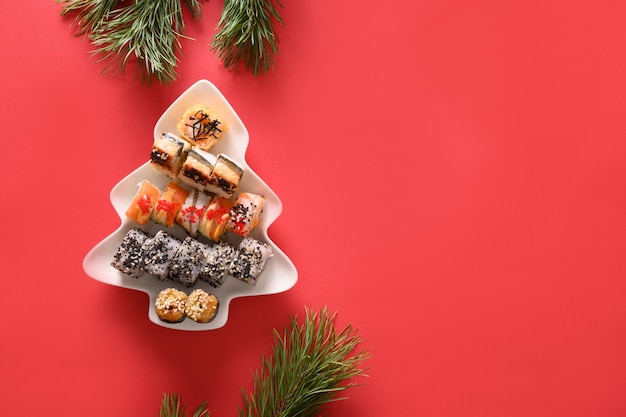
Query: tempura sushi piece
(201,306)
(217,264)
(197,168)
(225,177)
(170,305)
(169,204)
(246,213)
(191,212)
(143,202)
(201,126)
(187,262)
(250,259)
(214,221)
(159,254)
(168,154)
(129,256)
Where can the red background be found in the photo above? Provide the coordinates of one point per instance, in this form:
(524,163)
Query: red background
(452,175)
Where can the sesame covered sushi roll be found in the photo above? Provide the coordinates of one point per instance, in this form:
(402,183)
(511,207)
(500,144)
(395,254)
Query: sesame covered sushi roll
(169,204)
(159,253)
(245,214)
(168,153)
(217,263)
(225,177)
(143,203)
(129,256)
(201,126)
(187,262)
(197,168)
(201,306)
(214,221)
(191,212)
(250,259)
(170,305)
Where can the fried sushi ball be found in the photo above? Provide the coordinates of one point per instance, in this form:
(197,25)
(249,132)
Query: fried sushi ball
(170,305)
(201,306)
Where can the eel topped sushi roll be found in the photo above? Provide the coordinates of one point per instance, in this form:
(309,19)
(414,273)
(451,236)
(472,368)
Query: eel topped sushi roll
(188,261)
(202,126)
(197,168)
(159,253)
(225,177)
(130,255)
(250,259)
(168,154)
(143,203)
(246,213)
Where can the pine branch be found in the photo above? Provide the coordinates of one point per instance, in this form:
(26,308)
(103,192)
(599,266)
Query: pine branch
(171,407)
(245,34)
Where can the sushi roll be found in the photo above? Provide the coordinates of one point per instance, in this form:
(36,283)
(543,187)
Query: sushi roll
(225,177)
(129,256)
(170,305)
(159,253)
(201,126)
(169,204)
(168,153)
(201,306)
(245,214)
(187,262)
(197,168)
(217,263)
(214,221)
(250,259)
(143,203)
(191,212)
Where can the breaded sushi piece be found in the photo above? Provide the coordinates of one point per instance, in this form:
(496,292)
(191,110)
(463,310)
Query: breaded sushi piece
(246,213)
(170,305)
(169,204)
(159,253)
(214,221)
(191,212)
(168,154)
(201,126)
(187,262)
(217,264)
(197,168)
(250,259)
(129,257)
(201,306)
(225,177)
(143,202)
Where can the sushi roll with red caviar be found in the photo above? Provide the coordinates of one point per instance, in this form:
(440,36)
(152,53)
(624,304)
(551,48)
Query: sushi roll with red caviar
(187,262)
(170,305)
(225,177)
(214,221)
(246,213)
(169,204)
(201,126)
(217,263)
(201,306)
(158,254)
(143,203)
(129,257)
(191,212)
(197,168)
(168,154)
(249,260)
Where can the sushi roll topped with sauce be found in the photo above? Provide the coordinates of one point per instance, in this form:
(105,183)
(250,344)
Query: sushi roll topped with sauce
(201,126)
(168,154)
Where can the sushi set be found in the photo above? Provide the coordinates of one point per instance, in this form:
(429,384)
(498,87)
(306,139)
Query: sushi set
(194,220)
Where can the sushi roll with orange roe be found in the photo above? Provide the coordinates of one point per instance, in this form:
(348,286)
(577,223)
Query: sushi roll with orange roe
(246,213)
(214,221)
(143,203)
(169,204)
(191,212)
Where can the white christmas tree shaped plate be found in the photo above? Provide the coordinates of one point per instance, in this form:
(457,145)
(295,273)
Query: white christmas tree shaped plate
(279,274)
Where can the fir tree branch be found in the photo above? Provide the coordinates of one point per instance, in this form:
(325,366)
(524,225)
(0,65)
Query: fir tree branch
(171,407)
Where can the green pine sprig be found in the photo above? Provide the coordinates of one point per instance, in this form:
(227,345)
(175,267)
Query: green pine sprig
(246,35)
(172,407)
(311,364)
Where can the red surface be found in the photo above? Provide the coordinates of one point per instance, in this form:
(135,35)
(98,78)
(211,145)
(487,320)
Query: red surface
(453,178)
